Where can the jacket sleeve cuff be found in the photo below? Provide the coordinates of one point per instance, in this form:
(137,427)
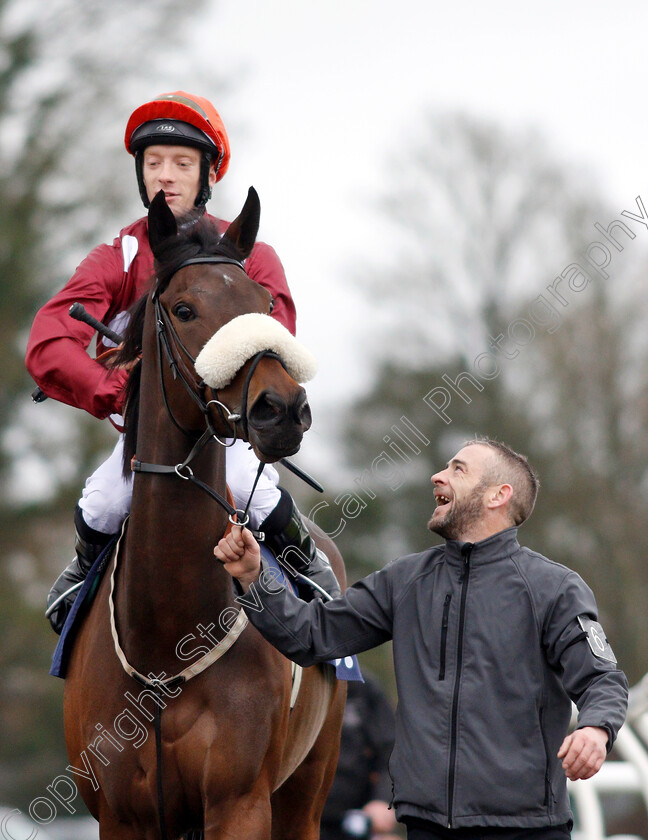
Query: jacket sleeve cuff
(608,728)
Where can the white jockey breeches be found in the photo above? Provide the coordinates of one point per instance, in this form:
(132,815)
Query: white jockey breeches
(106,497)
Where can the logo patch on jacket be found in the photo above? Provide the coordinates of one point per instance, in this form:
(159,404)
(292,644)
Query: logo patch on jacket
(597,639)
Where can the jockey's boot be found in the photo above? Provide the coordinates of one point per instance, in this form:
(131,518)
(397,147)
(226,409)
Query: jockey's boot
(88,545)
(287,536)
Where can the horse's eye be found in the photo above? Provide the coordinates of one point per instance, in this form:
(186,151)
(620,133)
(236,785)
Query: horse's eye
(272,304)
(183,312)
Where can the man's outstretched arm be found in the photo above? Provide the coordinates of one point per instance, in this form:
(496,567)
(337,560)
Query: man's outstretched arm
(310,632)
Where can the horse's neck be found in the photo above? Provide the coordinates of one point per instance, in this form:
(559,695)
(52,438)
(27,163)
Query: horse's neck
(170,582)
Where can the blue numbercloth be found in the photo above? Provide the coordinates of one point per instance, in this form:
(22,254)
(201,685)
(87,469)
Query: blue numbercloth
(80,606)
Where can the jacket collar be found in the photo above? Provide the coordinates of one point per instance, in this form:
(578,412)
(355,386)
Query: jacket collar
(495,547)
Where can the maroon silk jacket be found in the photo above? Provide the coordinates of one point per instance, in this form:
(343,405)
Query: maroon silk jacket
(108,281)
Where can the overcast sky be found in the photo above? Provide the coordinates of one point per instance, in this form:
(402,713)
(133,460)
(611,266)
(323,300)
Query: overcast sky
(327,93)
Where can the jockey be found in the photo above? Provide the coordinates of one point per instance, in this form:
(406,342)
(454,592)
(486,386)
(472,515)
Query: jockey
(180,145)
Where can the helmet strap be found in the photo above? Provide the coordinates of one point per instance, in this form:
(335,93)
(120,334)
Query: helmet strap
(139,171)
(204,189)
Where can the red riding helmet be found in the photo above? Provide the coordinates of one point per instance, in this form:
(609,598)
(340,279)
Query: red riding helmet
(179,119)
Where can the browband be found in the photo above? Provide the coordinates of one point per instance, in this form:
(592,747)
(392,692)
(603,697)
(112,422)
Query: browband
(213,259)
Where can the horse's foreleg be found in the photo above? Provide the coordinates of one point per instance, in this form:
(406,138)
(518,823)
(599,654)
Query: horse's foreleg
(110,828)
(248,818)
(297,805)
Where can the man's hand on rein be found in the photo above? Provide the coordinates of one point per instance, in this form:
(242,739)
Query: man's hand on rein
(239,552)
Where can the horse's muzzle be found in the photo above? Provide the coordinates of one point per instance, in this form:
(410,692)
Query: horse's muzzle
(276,425)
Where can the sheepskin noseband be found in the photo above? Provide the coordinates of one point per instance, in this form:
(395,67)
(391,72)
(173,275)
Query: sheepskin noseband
(243,337)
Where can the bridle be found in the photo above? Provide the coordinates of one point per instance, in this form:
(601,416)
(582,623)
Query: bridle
(171,348)
(167,337)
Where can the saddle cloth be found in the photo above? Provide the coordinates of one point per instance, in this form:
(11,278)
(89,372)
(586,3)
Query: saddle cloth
(345,669)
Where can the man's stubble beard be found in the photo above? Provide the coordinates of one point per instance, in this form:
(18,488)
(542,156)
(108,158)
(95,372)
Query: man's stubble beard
(462,516)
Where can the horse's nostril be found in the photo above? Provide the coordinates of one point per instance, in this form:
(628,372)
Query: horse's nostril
(267,409)
(304,415)
(271,409)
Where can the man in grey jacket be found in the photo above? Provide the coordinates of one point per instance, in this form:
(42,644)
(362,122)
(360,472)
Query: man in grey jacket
(491,643)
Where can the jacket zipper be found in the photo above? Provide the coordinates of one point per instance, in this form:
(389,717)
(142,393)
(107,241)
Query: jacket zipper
(444,635)
(466,550)
(548,788)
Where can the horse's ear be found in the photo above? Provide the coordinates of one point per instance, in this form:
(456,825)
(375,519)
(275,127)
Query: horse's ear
(161,222)
(243,230)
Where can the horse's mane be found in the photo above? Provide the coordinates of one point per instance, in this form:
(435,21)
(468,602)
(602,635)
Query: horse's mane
(196,237)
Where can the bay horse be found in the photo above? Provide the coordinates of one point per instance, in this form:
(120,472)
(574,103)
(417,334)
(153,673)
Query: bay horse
(158,755)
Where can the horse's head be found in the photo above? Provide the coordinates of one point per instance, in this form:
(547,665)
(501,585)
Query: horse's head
(217,343)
